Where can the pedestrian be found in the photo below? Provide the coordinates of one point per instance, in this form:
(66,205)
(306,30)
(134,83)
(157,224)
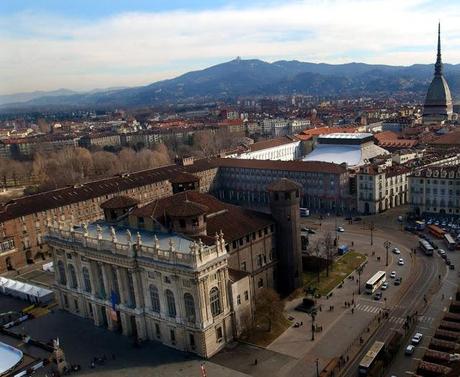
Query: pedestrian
(352,310)
(301,323)
(255,362)
(352,301)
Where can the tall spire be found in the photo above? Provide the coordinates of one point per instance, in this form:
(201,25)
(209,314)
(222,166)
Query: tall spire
(438,65)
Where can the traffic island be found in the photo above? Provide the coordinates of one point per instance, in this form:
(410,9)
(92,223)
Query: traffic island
(340,269)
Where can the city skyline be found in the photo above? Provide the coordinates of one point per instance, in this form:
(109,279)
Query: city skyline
(141,42)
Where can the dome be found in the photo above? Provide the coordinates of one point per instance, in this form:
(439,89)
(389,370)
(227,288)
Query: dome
(438,93)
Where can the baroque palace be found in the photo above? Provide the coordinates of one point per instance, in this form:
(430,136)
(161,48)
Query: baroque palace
(185,270)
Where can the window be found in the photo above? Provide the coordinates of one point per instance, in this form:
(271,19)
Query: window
(219,335)
(238,300)
(171,304)
(172,335)
(260,283)
(243,266)
(154,298)
(86,279)
(62,275)
(157,331)
(182,223)
(246,295)
(214,298)
(189,307)
(73,276)
(259,260)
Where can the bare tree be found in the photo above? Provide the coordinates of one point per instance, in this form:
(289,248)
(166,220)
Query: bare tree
(317,251)
(329,249)
(269,306)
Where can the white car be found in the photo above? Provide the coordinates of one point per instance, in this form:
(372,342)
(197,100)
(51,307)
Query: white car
(340,229)
(417,338)
(396,250)
(401,262)
(393,274)
(384,286)
(409,349)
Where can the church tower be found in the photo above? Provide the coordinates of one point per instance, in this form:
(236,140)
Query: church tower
(438,101)
(285,209)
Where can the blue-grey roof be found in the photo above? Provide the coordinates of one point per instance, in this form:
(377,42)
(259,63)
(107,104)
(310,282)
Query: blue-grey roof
(181,243)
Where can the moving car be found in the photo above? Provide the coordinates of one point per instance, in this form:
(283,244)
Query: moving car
(340,229)
(409,349)
(417,338)
(398,281)
(451,266)
(393,274)
(378,296)
(401,262)
(396,250)
(384,286)
(448,262)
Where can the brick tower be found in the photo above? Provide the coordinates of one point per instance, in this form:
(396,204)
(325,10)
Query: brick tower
(285,209)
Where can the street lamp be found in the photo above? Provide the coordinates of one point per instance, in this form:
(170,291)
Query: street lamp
(372,227)
(312,325)
(387,245)
(359,271)
(317,367)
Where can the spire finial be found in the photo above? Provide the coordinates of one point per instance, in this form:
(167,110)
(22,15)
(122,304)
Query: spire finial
(438,65)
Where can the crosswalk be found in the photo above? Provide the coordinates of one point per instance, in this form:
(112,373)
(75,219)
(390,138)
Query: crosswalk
(397,320)
(368,308)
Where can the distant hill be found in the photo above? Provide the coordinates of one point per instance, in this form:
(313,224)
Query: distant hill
(255,77)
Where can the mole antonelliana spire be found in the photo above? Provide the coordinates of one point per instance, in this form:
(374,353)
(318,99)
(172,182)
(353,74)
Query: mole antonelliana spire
(438,101)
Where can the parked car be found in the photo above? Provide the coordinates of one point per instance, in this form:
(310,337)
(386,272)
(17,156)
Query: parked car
(340,229)
(384,286)
(378,296)
(358,219)
(393,274)
(304,229)
(396,250)
(442,253)
(417,338)
(401,262)
(448,262)
(409,349)
(451,266)
(398,281)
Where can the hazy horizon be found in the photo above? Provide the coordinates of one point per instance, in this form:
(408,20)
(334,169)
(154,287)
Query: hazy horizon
(86,45)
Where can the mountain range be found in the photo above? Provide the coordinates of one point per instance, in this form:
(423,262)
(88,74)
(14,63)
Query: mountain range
(254,77)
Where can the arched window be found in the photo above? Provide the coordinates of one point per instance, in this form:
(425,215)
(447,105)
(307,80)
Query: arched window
(62,276)
(171,303)
(214,299)
(189,307)
(155,298)
(86,279)
(73,276)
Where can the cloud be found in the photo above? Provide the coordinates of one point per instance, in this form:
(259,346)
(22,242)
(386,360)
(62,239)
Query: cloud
(46,51)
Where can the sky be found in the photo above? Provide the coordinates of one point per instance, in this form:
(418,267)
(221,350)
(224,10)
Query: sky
(88,44)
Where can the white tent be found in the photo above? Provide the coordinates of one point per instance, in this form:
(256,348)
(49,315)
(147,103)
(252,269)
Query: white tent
(26,291)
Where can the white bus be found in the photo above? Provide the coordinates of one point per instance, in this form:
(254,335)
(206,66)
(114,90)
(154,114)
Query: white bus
(451,244)
(375,282)
(426,247)
(304,212)
(371,359)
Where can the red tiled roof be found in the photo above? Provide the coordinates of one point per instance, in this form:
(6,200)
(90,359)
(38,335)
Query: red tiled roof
(452,138)
(300,166)
(271,143)
(119,202)
(235,222)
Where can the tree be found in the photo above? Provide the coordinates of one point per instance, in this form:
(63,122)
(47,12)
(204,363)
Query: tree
(329,248)
(269,306)
(317,250)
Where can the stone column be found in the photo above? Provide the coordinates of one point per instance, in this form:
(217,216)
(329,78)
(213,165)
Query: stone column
(107,280)
(138,289)
(124,291)
(95,288)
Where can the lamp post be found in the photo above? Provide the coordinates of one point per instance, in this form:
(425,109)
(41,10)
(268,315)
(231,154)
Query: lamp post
(372,227)
(317,367)
(360,271)
(387,245)
(312,326)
